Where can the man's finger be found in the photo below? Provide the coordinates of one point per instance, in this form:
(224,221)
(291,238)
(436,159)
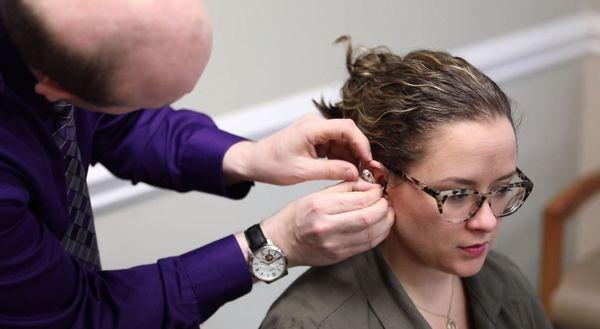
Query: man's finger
(356,186)
(343,202)
(366,239)
(355,249)
(363,185)
(359,220)
(343,131)
(321,169)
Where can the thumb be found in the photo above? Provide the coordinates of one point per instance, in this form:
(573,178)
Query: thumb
(362,186)
(355,186)
(326,169)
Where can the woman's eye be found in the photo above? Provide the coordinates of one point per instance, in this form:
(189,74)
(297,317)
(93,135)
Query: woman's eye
(457,198)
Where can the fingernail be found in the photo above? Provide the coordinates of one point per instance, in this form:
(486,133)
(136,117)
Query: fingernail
(349,174)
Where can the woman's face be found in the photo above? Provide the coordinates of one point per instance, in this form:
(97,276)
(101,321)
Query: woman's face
(472,154)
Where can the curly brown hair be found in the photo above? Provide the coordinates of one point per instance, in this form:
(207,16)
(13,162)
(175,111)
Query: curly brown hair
(399,102)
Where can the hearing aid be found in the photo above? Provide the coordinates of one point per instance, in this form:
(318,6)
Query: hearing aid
(367,175)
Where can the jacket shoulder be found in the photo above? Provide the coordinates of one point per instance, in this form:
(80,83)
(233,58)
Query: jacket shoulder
(314,297)
(499,268)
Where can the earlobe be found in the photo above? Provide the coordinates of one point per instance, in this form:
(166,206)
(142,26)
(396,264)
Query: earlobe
(53,91)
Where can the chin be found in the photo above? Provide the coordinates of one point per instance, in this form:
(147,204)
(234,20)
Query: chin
(469,270)
(466,268)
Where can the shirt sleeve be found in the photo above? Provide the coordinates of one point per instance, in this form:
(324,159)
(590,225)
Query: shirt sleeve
(180,150)
(41,286)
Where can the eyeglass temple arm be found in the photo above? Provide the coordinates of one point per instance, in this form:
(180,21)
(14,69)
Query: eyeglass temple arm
(420,185)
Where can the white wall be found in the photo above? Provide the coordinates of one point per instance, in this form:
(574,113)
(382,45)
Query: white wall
(592,4)
(266,50)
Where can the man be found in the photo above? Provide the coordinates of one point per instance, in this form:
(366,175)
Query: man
(109,58)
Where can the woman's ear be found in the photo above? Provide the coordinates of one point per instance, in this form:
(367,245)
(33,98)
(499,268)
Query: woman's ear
(379,171)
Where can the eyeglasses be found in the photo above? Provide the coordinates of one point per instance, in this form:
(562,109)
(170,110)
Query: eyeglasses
(459,205)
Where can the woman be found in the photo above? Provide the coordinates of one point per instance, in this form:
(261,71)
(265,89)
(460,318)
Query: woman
(444,139)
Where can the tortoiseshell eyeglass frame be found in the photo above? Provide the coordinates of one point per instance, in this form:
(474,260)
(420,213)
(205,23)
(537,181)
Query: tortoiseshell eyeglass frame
(441,196)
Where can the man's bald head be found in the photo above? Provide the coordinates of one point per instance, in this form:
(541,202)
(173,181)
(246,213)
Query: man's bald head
(130,53)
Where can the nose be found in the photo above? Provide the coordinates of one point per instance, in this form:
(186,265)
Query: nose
(483,220)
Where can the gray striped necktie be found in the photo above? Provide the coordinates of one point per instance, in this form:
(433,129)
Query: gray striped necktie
(80,238)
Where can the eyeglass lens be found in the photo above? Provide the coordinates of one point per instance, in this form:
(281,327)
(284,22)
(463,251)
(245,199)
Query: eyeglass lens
(502,202)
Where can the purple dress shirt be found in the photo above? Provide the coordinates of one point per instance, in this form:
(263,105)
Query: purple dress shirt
(41,286)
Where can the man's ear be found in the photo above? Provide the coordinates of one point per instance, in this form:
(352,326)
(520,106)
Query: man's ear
(51,89)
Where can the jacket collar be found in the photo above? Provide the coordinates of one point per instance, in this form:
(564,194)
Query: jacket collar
(395,309)
(385,294)
(486,293)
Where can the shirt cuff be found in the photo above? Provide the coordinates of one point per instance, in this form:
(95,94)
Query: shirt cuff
(201,163)
(219,273)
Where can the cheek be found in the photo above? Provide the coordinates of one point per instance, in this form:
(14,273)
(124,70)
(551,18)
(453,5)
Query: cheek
(419,225)
(415,210)
(496,232)
(426,236)
(415,214)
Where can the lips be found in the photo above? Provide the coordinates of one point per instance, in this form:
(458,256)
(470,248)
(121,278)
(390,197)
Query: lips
(475,250)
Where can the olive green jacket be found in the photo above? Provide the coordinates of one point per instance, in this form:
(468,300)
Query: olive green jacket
(362,292)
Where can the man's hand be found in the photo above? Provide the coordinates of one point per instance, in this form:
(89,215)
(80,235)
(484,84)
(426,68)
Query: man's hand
(294,154)
(332,224)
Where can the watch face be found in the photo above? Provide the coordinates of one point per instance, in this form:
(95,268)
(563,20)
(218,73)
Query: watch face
(269,264)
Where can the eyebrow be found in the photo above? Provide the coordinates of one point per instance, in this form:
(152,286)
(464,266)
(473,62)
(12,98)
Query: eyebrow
(466,181)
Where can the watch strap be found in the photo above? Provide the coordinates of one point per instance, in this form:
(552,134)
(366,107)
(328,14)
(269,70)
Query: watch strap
(255,237)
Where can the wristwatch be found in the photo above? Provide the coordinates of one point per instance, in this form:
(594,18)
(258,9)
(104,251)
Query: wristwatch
(268,263)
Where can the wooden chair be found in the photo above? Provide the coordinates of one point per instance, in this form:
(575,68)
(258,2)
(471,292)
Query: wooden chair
(571,300)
